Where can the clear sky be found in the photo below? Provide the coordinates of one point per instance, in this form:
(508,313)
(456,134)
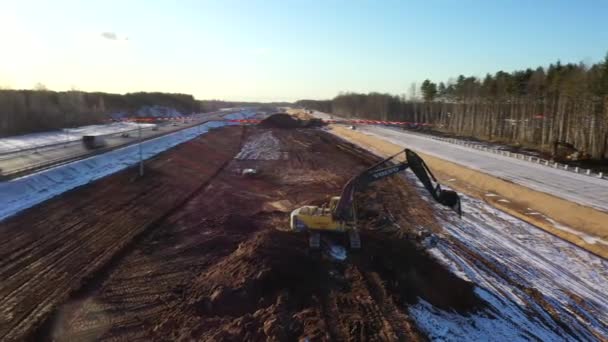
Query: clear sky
(286,50)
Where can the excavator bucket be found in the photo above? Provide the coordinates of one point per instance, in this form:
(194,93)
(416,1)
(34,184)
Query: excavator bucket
(451,199)
(448,198)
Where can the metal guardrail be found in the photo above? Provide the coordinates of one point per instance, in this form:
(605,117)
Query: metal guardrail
(532,159)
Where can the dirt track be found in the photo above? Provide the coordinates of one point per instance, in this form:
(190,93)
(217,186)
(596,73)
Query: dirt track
(201,252)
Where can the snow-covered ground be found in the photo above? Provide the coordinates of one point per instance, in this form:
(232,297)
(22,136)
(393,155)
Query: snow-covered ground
(264,146)
(37,140)
(517,269)
(25,192)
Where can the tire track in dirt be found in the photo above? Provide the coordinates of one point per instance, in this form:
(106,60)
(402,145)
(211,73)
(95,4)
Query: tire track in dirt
(95,281)
(356,313)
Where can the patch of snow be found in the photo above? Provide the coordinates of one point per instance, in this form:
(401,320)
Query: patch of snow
(321,115)
(263,146)
(504,200)
(586,237)
(337,252)
(249,172)
(441,325)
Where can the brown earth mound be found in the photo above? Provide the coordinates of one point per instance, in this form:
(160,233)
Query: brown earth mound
(281,120)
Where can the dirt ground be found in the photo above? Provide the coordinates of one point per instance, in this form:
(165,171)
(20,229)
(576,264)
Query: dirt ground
(53,249)
(521,202)
(199,251)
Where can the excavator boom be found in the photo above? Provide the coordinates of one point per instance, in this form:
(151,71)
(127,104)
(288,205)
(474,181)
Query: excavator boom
(385,168)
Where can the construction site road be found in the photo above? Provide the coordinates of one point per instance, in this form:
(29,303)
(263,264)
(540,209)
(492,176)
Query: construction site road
(577,188)
(20,163)
(199,250)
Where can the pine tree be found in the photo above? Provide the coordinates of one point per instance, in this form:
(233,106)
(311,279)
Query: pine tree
(429,90)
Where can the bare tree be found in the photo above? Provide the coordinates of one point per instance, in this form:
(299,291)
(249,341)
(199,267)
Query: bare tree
(413,92)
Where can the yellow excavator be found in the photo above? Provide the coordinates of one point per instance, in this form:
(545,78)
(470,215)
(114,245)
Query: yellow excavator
(339,215)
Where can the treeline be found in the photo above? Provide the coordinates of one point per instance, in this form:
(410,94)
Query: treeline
(27,111)
(532,107)
(214,105)
(130,102)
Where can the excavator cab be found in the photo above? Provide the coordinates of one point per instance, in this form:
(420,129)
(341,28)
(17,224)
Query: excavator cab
(333,203)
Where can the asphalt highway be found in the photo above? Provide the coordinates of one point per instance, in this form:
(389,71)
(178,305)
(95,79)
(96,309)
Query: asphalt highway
(24,162)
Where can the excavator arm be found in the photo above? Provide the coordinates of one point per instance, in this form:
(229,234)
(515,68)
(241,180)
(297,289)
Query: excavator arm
(386,168)
(421,170)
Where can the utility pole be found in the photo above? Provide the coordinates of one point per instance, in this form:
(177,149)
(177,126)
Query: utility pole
(66,130)
(141,156)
